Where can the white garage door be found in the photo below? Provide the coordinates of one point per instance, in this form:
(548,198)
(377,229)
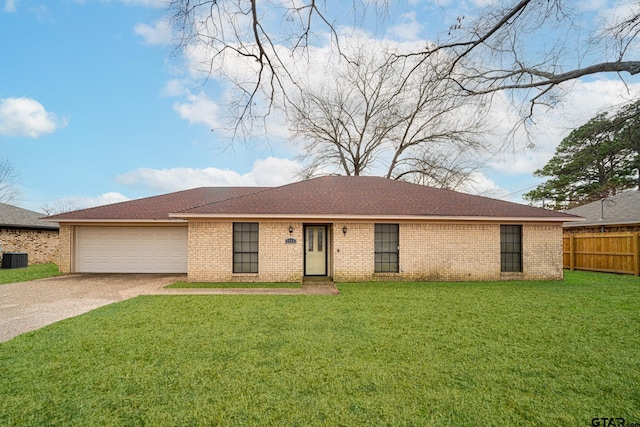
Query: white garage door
(131,249)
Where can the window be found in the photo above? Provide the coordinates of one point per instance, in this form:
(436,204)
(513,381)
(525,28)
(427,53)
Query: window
(511,248)
(386,248)
(245,247)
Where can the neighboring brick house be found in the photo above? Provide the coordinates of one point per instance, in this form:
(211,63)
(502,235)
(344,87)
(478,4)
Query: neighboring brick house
(21,230)
(346,228)
(619,213)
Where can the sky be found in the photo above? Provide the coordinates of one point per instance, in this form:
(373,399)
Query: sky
(97,106)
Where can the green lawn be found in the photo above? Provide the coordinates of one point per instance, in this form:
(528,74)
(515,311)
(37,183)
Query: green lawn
(241,285)
(507,353)
(33,272)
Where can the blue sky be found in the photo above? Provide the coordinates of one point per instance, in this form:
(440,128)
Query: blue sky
(96,107)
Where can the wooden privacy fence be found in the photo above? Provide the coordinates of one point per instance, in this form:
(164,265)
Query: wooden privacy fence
(607,252)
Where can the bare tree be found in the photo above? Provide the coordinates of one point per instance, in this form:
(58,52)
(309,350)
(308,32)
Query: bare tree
(499,50)
(56,208)
(450,169)
(372,116)
(9,188)
(259,37)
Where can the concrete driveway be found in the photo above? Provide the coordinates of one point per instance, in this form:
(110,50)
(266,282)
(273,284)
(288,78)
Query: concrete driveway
(27,306)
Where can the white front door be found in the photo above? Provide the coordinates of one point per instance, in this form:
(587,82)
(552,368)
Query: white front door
(315,250)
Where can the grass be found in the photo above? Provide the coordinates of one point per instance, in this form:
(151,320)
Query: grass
(496,353)
(232,285)
(32,272)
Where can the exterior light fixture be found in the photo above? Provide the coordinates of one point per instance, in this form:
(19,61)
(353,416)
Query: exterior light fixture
(290,229)
(344,230)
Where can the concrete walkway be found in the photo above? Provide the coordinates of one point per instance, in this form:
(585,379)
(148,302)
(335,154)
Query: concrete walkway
(27,306)
(328,288)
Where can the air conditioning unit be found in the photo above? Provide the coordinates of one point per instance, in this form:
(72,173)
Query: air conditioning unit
(14,260)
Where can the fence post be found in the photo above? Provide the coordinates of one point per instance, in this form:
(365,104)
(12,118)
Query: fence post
(572,257)
(636,254)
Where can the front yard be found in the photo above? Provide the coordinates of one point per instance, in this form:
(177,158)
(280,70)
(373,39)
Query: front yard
(507,353)
(33,272)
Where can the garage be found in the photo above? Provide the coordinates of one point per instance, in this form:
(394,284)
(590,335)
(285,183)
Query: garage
(119,249)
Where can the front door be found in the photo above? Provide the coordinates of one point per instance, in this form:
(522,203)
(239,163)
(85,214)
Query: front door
(315,250)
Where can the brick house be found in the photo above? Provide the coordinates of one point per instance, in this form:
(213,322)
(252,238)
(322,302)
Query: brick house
(21,230)
(346,228)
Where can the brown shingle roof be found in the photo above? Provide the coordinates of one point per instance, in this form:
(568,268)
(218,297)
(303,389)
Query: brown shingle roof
(157,207)
(325,196)
(367,196)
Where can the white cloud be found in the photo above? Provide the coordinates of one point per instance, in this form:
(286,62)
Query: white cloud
(159,33)
(409,29)
(596,5)
(77,202)
(483,3)
(26,117)
(582,102)
(310,67)
(620,11)
(199,109)
(273,171)
(10,6)
(147,3)
(265,172)
(176,88)
(481,185)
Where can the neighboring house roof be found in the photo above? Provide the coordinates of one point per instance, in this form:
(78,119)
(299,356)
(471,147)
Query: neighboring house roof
(621,209)
(324,197)
(15,217)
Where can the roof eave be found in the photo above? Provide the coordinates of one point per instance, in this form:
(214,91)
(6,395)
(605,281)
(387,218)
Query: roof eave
(597,224)
(31,227)
(343,217)
(116,221)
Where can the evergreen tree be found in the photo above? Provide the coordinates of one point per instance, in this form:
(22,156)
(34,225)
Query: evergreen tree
(596,160)
(628,121)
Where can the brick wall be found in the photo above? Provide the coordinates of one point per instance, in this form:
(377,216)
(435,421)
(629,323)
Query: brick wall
(66,245)
(449,252)
(42,246)
(542,252)
(211,253)
(353,252)
(428,251)
(278,261)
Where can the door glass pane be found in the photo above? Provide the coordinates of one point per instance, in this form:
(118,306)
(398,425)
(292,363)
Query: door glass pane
(310,239)
(320,248)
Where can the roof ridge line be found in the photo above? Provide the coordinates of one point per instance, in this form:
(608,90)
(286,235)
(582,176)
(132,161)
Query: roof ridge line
(258,190)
